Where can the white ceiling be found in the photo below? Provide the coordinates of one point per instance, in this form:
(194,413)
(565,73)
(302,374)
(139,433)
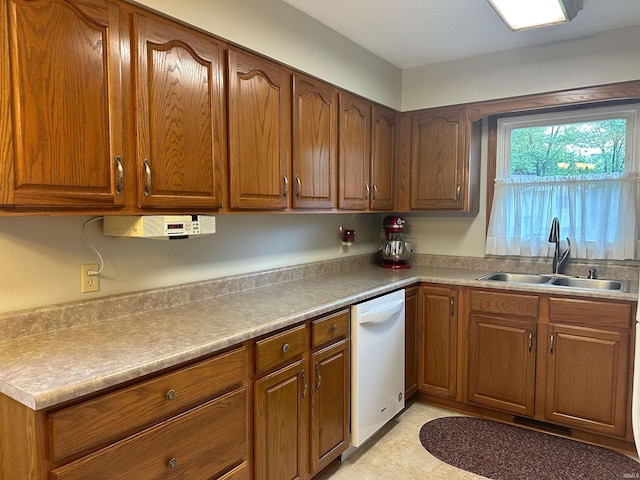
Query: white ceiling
(414,33)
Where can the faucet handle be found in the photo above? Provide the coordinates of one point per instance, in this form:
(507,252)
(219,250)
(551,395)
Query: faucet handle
(593,273)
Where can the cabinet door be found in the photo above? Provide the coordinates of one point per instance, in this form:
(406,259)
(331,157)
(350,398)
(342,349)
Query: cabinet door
(437,330)
(61,112)
(180,118)
(355,147)
(282,423)
(383,153)
(259,132)
(330,403)
(501,363)
(410,342)
(315,143)
(587,378)
(438,159)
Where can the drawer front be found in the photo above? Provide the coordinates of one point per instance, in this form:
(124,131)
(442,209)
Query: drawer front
(588,312)
(210,441)
(111,417)
(328,329)
(504,303)
(280,349)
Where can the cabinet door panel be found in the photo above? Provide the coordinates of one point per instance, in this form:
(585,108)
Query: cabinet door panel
(437,160)
(65,95)
(502,363)
(180,120)
(383,154)
(355,148)
(281,423)
(587,378)
(315,122)
(437,328)
(259,132)
(329,404)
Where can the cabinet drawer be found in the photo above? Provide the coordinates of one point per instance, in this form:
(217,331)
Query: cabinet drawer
(111,417)
(331,328)
(207,442)
(280,349)
(504,303)
(588,312)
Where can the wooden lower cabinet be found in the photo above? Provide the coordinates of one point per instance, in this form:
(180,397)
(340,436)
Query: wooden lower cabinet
(329,404)
(301,410)
(501,363)
(560,360)
(438,337)
(281,423)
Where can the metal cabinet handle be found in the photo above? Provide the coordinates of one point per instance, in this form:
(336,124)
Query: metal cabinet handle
(319,376)
(147,172)
(334,327)
(170,395)
(285,348)
(452,305)
(367,190)
(286,186)
(530,340)
(120,175)
(458,191)
(172,463)
(375,192)
(551,340)
(298,187)
(304,383)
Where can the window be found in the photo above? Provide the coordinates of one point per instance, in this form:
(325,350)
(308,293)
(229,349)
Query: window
(582,167)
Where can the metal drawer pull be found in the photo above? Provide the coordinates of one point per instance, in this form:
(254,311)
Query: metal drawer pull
(147,173)
(375,193)
(285,348)
(170,395)
(367,190)
(286,186)
(298,187)
(458,190)
(551,343)
(530,340)
(304,383)
(334,328)
(319,376)
(120,175)
(173,462)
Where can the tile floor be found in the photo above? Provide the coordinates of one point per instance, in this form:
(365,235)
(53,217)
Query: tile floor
(395,452)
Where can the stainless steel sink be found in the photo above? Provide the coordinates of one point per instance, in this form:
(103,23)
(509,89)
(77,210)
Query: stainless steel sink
(593,284)
(557,281)
(515,277)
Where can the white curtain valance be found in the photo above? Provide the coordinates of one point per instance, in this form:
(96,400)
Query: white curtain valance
(597,212)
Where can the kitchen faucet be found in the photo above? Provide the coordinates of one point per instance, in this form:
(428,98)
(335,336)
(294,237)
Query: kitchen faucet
(559,260)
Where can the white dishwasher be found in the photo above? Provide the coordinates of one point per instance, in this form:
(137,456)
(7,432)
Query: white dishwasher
(377,364)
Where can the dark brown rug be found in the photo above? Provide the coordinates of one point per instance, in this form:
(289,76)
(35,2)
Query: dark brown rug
(505,452)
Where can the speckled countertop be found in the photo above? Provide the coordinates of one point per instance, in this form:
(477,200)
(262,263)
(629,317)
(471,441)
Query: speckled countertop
(47,368)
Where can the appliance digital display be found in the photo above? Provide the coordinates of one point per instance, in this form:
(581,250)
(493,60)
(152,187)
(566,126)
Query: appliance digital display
(174,226)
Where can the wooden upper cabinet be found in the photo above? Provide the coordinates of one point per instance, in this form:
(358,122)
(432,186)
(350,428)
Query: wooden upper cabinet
(259,132)
(61,140)
(355,148)
(315,143)
(180,118)
(383,152)
(438,159)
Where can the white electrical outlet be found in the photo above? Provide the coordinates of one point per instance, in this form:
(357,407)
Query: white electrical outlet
(89,283)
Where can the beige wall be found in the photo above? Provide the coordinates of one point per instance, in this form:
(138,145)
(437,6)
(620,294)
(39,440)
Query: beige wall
(279,31)
(607,58)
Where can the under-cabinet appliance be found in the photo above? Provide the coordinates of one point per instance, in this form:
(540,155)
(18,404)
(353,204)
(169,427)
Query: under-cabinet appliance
(377,365)
(395,248)
(635,402)
(163,227)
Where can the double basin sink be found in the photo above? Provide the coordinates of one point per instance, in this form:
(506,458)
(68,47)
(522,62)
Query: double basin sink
(557,280)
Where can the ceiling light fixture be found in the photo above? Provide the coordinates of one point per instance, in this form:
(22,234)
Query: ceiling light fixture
(525,14)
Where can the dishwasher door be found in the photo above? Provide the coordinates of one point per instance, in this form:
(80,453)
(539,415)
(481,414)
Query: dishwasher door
(377,364)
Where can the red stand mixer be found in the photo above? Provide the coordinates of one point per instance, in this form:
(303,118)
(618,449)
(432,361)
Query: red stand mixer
(395,249)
